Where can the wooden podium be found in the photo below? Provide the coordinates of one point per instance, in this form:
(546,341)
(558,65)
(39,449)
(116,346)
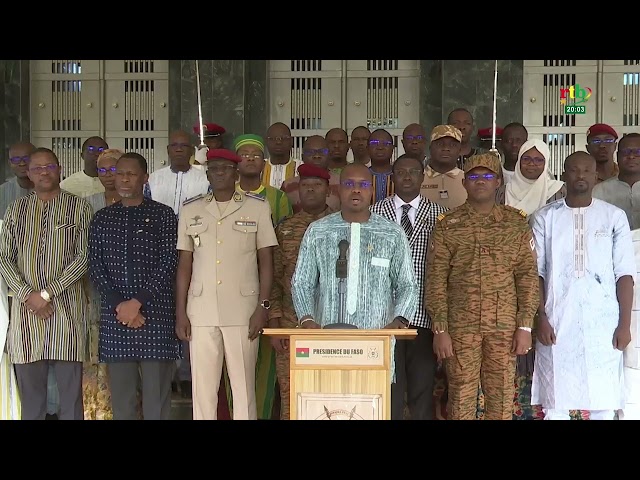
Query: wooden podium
(340,374)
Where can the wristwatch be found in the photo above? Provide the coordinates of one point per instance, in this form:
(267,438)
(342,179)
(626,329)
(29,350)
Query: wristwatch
(266,304)
(45,296)
(526,329)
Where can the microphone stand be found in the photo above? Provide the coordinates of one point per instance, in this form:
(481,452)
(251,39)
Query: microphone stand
(341,274)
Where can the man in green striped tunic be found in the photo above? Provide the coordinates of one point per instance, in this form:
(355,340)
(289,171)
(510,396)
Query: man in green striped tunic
(43,258)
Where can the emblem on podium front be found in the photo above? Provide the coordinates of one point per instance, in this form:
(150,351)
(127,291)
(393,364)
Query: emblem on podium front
(338,406)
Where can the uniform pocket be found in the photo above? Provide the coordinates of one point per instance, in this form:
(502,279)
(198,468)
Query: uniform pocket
(246,234)
(195,289)
(249,289)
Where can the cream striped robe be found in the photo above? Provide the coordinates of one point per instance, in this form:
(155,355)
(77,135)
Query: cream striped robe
(43,245)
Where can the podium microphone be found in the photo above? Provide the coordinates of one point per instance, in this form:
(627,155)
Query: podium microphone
(341,263)
(342,271)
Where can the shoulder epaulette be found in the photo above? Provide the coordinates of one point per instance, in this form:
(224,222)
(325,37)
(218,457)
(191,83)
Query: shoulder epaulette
(281,221)
(193,199)
(518,211)
(254,195)
(441,216)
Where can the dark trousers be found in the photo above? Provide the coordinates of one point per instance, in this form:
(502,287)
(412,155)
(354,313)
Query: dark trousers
(184,369)
(415,377)
(155,378)
(32,383)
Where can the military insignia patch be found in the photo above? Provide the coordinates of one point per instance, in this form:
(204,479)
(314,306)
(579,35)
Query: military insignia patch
(523,213)
(254,195)
(237,197)
(192,199)
(453,220)
(286,232)
(209,197)
(440,217)
(532,244)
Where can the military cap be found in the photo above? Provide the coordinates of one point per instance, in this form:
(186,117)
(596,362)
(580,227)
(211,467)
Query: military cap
(308,170)
(487,133)
(222,154)
(210,130)
(248,139)
(442,131)
(601,129)
(486,160)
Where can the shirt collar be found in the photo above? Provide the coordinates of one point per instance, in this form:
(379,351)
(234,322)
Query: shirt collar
(257,191)
(431,173)
(398,202)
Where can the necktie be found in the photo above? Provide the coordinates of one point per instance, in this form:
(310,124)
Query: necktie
(405,222)
(354,269)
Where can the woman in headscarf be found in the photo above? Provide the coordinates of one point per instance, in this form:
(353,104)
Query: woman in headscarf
(531,187)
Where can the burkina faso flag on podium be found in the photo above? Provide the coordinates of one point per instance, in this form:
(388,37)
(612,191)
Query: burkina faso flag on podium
(302,352)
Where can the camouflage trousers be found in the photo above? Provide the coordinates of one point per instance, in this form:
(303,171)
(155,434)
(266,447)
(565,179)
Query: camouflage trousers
(481,358)
(282,372)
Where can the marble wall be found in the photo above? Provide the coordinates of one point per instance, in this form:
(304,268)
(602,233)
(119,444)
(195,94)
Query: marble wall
(235,95)
(14,107)
(450,84)
(233,92)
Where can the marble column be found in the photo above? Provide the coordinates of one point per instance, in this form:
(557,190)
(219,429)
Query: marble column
(449,84)
(14,94)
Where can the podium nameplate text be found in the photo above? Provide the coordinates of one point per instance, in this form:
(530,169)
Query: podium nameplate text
(340,374)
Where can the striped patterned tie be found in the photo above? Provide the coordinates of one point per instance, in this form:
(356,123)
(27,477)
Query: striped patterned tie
(405,222)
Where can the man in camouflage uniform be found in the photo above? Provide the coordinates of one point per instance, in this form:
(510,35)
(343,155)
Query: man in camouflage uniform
(482,287)
(313,191)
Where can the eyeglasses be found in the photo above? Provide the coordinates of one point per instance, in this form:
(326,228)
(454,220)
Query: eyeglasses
(103,171)
(51,167)
(384,143)
(630,151)
(362,184)
(414,172)
(246,156)
(532,160)
(486,176)
(19,160)
(598,141)
(282,138)
(315,151)
(92,149)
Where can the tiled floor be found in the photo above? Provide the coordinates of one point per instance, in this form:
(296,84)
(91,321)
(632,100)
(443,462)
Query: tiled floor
(181,408)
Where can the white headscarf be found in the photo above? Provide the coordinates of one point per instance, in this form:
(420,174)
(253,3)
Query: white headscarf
(530,195)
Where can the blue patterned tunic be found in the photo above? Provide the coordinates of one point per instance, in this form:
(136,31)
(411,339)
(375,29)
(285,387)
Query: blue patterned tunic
(132,254)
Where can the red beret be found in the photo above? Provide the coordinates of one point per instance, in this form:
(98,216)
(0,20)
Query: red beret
(488,132)
(210,129)
(222,154)
(308,170)
(601,129)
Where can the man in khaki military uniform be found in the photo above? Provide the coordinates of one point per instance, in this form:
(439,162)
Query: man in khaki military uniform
(482,287)
(223,284)
(442,182)
(314,191)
